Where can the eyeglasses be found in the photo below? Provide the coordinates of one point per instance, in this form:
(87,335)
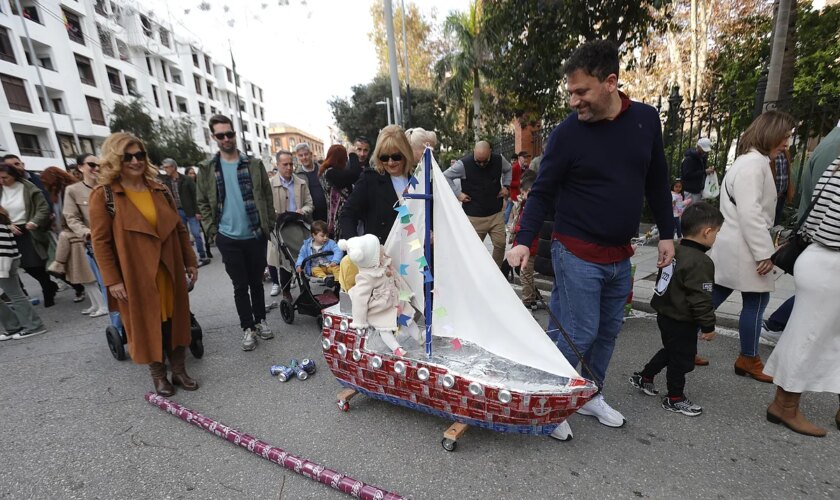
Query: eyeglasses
(140,156)
(225,135)
(393,157)
(92,164)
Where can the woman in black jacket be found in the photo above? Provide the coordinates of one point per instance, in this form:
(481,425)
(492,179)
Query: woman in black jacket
(375,195)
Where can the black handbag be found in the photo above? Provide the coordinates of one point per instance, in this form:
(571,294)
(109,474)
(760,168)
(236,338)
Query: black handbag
(791,248)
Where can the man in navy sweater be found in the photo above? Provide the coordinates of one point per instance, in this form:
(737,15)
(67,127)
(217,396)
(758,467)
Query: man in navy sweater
(597,168)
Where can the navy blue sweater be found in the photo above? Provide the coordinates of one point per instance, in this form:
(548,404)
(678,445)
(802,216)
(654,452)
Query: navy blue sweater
(595,175)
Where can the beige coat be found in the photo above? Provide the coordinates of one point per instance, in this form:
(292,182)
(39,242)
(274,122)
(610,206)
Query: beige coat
(76,229)
(281,204)
(71,259)
(745,239)
(75,211)
(129,251)
(375,297)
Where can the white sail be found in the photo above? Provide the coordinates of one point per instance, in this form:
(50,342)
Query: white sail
(400,246)
(472,299)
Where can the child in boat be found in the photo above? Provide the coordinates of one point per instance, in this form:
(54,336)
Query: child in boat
(526,274)
(683,302)
(320,242)
(375,294)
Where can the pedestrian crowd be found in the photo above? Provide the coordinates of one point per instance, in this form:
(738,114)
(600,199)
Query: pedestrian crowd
(120,233)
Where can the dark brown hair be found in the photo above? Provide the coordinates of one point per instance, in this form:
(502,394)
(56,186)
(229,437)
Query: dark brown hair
(319,226)
(766,132)
(336,158)
(217,119)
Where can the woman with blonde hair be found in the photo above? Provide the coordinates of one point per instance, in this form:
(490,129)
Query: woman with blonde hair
(743,248)
(419,138)
(376,193)
(143,251)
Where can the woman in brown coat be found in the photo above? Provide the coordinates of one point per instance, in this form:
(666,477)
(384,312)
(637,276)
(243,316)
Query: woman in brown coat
(143,251)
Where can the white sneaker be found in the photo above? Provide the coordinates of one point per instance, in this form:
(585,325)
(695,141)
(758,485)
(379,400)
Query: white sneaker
(88,310)
(101,312)
(598,408)
(263,330)
(562,432)
(770,336)
(249,340)
(275,290)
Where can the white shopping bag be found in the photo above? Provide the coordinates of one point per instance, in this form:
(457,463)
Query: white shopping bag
(711,189)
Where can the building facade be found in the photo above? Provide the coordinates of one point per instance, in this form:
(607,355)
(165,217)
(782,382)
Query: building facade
(93,54)
(285,137)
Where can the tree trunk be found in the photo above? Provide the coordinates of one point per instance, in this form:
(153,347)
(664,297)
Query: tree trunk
(777,56)
(789,61)
(476,99)
(691,91)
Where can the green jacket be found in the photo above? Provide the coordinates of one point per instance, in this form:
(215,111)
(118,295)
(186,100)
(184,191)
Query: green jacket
(688,296)
(826,151)
(208,204)
(186,193)
(37,212)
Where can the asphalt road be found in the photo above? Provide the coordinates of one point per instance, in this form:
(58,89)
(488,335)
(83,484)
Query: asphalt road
(75,425)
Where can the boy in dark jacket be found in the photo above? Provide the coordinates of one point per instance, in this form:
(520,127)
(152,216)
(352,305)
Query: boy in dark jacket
(683,302)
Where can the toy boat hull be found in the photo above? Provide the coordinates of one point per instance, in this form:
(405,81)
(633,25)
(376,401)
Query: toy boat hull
(449,391)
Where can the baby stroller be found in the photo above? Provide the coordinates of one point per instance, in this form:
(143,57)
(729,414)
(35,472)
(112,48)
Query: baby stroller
(290,231)
(115,334)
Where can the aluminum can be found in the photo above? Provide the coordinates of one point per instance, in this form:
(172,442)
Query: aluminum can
(300,373)
(284,373)
(308,365)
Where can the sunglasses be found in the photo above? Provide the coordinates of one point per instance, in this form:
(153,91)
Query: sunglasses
(225,135)
(92,164)
(140,156)
(393,157)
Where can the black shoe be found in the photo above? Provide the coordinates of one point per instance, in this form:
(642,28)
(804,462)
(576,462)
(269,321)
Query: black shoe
(203,262)
(683,406)
(25,334)
(644,385)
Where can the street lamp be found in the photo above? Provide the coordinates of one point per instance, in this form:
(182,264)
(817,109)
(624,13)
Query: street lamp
(387,104)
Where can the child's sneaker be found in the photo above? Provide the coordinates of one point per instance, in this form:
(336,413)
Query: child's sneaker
(682,405)
(644,385)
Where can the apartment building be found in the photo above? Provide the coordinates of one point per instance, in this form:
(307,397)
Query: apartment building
(286,137)
(95,53)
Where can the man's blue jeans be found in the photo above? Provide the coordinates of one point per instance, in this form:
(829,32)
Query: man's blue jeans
(588,299)
(508,209)
(749,323)
(192,224)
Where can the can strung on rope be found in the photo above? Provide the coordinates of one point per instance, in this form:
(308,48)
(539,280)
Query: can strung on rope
(284,373)
(300,373)
(308,365)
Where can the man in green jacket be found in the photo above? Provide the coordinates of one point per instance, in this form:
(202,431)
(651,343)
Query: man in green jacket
(235,203)
(184,193)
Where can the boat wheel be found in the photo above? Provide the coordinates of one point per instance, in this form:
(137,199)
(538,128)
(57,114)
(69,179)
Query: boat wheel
(343,405)
(448,444)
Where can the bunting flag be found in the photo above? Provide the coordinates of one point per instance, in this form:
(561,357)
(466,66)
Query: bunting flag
(428,276)
(403,320)
(409,230)
(402,210)
(405,219)
(415,245)
(405,295)
(422,261)
(439,312)
(403,269)
(456,344)
(412,181)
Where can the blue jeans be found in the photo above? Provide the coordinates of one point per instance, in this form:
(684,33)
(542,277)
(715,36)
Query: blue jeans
(779,319)
(749,323)
(192,224)
(588,299)
(116,321)
(508,209)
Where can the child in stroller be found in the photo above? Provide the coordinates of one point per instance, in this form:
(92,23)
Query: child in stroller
(295,241)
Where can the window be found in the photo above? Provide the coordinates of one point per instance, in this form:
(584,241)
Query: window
(28,145)
(95,109)
(229,75)
(182,106)
(56,102)
(255,110)
(122,48)
(195,60)
(16,93)
(29,12)
(245,126)
(171,101)
(68,145)
(99,7)
(276,143)
(212,110)
(210,90)
(164,37)
(207,64)
(155,93)
(105,41)
(165,73)
(261,95)
(176,76)
(197,82)
(147,25)
(253,91)
(46,63)
(262,113)
(114,80)
(7,53)
(74,27)
(85,70)
(149,66)
(201,109)
(131,87)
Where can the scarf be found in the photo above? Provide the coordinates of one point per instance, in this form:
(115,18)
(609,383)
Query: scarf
(246,185)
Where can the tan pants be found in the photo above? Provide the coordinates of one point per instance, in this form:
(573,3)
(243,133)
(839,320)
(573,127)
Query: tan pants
(323,271)
(493,225)
(526,278)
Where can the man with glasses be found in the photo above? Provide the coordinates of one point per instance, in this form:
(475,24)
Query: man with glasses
(234,200)
(485,183)
(309,169)
(184,193)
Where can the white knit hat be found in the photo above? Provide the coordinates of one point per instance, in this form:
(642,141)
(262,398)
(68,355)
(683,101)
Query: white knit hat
(362,250)
(705,144)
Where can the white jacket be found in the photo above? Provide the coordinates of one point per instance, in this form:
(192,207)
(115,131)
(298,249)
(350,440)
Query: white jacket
(744,239)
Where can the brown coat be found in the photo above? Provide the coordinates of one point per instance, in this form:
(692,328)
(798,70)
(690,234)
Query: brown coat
(129,250)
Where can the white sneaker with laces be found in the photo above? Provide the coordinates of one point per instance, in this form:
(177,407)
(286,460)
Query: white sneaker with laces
(88,310)
(562,432)
(275,290)
(770,336)
(264,331)
(249,340)
(598,408)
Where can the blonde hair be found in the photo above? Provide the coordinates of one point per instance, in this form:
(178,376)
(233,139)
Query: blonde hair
(390,138)
(110,164)
(766,132)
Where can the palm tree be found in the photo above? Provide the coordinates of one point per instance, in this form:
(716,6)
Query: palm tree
(463,68)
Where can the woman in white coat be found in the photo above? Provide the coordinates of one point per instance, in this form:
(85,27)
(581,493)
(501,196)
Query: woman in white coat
(806,357)
(744,245)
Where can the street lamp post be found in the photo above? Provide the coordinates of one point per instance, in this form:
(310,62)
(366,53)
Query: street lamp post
(387,104)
